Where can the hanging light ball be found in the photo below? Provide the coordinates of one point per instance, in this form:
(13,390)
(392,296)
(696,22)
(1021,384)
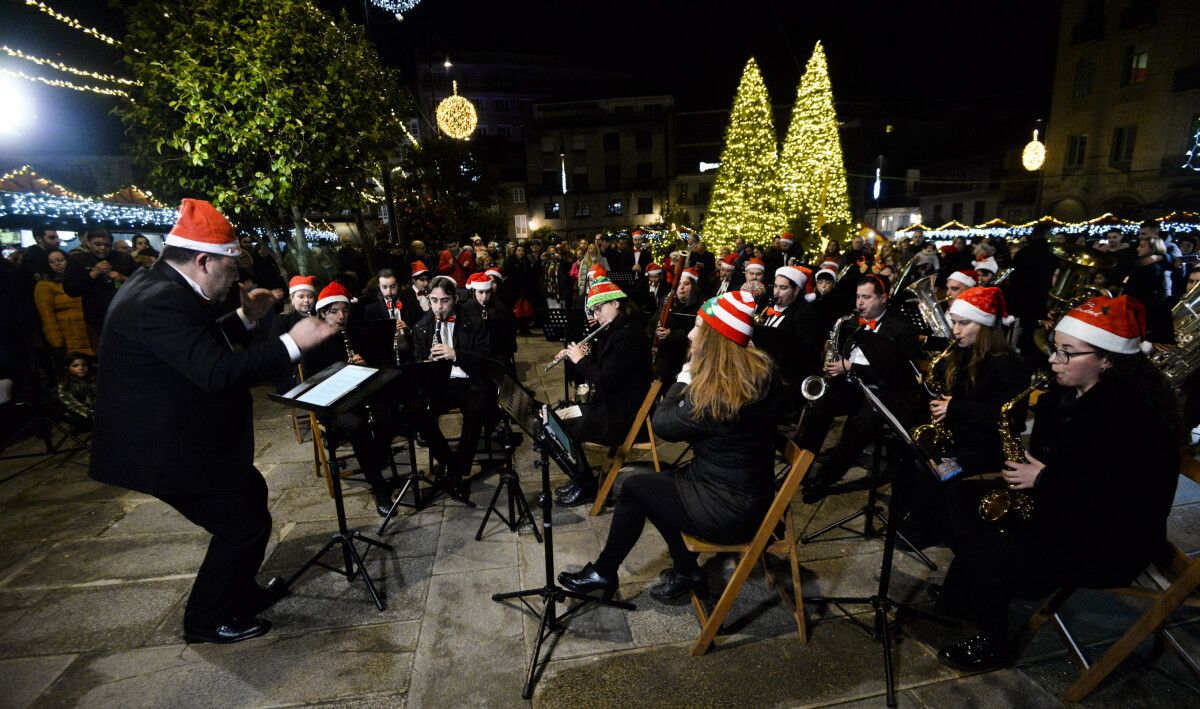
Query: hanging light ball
(456,116)
(1034,154)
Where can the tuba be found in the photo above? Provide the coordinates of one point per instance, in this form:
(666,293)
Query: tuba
(1180,361)
(814,386)
(995,506)
(932,437)
(930,308)
(1072,284)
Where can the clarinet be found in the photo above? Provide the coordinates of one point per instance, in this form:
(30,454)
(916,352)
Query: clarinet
(346,341)
(398,334)
(437,334)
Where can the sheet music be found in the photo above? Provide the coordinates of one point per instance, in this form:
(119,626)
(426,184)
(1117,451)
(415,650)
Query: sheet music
(555,431)
(569,412)
(337,386)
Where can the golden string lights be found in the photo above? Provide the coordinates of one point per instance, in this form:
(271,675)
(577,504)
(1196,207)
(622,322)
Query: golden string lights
(1034,154)
(18,54)
(456,116)
(61,84)
(72,22)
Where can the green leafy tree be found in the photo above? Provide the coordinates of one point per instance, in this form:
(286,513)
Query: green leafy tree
(812,173)
(446,192)
(745,193)
(270,108)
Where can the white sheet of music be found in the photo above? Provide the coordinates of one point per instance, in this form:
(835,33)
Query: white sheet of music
(337,386)
(569,412)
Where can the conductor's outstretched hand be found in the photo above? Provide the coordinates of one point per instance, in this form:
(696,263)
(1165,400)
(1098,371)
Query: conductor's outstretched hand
(310,332)
(257,302)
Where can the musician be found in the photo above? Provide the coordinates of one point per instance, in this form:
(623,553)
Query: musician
(672,334)
(827,305)
(985,271)
(728,279)
(372,445)
(843,398)
(789,331)
(498,320)
(959,281)
(724,405)
(649,293)
(174,414)
(1100,505)
(389,307)
(639,258)
(617,368)
(441,335)
(701,260)
(754,270)
(414,300)
(302,296)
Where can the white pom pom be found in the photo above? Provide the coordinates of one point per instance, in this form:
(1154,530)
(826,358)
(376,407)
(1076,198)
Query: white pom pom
(1008,320)
(1147,347)
(810,297)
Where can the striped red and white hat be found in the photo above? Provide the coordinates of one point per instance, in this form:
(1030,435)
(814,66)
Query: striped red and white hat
(756,264)
(479,281)
(602,291)
(982,305)
(1113,324)
(298,283)
(653,268)
(202,228)
(333,293)
(732,315)
(967,277)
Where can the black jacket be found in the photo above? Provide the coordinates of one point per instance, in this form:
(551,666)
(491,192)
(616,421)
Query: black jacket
(795,342)
(97,292)
(1145,284)
(470,343)
(730,483)
(1026,290)
(672,351)
(892,325)
(172,382)
(973,416)
(618,370)
(500,324)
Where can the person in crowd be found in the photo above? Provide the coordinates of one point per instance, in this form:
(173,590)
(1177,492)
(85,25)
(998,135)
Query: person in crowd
(1146,284)
(77,392)
(94,276)
(639,257)
(522,286)
(587,263)
(1091,528)
(61,314)
(1027,291)
(140,243)
(617,367)
(701,259)
(671,336)
(164,352)
(34,259)
(724,405)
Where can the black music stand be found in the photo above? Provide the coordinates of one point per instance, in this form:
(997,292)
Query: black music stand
(519,405)
(38,424)
(568,454)
(881,602)
(625,280)
(564,325)
(328,407)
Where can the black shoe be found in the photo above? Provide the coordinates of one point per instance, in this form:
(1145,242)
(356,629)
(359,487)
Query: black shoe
(814,493)
(231,631)
(575,496)
(563,489)
(981,653)
(587,580)
(934,590)
(676,585)
(383,502)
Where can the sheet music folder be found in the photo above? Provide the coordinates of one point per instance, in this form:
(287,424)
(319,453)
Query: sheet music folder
(336,389)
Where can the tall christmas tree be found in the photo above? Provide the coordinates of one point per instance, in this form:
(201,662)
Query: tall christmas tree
(744,201)
(812,175)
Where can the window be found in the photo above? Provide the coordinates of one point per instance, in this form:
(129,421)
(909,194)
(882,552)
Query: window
(583,210)
(481,130)
(614,208)
(681,194)
(612,175)
(1085,78)
(1121,154)
(524,105)
(641,140)
(518,195)
(522,224)
(549,144)
(645,205)
(645,171)
(551,182)
(579,143)
(977,211)
(504,131)
(956,211)
(502,104)
(579,180)
(553,209)
(1135,66)
(937,214)
(1076,149)
(612,142)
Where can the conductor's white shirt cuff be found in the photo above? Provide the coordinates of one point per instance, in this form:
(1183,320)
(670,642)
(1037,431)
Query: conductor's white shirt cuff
(292,348)
(245,320)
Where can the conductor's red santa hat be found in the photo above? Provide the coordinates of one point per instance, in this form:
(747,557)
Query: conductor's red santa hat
(299,283)
(333,293)
(1113,324)
(479,281)
(982,305)
(201,227)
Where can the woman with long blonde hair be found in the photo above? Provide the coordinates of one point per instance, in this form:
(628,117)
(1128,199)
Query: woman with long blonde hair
(724,403)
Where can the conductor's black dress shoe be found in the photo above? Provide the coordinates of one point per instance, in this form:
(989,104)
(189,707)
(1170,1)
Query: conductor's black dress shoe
(981,653)
(231,631)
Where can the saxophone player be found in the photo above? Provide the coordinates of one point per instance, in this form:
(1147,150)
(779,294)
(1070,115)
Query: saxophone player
(1102,468)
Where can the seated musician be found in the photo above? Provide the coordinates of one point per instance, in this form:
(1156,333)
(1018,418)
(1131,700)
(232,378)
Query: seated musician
(617,368)
(985,270)
(390,307)
(842,397)
(442,336)
(1101,472)
(372,448)
(959,281)
(728,279)
(789,328)
(671,335)
(650,293)
(414,300)
(829,307)
(724,404)
(483,307)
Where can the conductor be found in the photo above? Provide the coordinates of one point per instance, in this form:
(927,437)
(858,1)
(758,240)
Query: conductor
(172,377)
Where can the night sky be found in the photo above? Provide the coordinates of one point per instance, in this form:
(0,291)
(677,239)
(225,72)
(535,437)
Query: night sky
(986,67)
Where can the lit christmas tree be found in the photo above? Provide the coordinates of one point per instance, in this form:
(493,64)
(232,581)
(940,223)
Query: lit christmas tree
(812,176)
(745,193)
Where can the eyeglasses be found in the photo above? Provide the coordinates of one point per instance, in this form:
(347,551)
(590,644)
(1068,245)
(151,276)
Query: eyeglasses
(1062,356)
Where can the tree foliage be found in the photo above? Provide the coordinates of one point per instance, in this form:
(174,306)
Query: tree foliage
(446,192)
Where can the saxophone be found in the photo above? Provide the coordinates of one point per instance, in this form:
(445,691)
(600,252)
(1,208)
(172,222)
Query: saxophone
(999,503)
(814,386)
(933,436)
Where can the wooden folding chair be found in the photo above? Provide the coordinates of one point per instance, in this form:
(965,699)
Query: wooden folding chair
(1181,574)
(617,455)
(766,539)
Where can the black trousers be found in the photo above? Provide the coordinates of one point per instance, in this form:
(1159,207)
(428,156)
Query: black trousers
(654,497)
(241,526)
(577,429)
(372,448)
(472,401)
(841,399)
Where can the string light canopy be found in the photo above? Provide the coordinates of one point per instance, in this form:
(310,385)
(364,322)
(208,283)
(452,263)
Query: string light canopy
(456,116)
(396,7)
(61,84)
(72,22)
(1034,154)
(1192,161)
(40,61)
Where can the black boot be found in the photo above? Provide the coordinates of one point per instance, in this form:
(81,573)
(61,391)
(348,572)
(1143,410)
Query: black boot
(575,496)
(982,653)
(676,584)
(587,580)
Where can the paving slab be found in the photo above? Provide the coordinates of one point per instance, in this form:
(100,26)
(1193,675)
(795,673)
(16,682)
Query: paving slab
(56,522)
(1003,688)
(25,678)
(117,558)
(65,485)
(17,556)
(148,516)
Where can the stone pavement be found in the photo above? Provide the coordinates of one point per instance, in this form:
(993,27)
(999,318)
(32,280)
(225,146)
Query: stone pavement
(92,581)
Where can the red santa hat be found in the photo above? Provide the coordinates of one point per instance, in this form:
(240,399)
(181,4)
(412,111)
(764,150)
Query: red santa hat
(988,264)
(832,265)
(1113,324)
(966,277)
(201,227)
(298,283)
(492,272)
(730,261)
(653,268)
(732,315)
(982,305)
(801,276)
(419,267)
(597,271)
(826,271)
(637,234)
(756,264)
(692,273)
(479,281)
(787,238)
(333,293)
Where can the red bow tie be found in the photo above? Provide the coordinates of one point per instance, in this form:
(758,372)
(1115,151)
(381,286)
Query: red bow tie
(772,312)
(869,323)
(449,319)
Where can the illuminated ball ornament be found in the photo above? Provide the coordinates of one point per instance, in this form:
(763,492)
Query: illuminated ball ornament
(456,116)
(1034,154)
